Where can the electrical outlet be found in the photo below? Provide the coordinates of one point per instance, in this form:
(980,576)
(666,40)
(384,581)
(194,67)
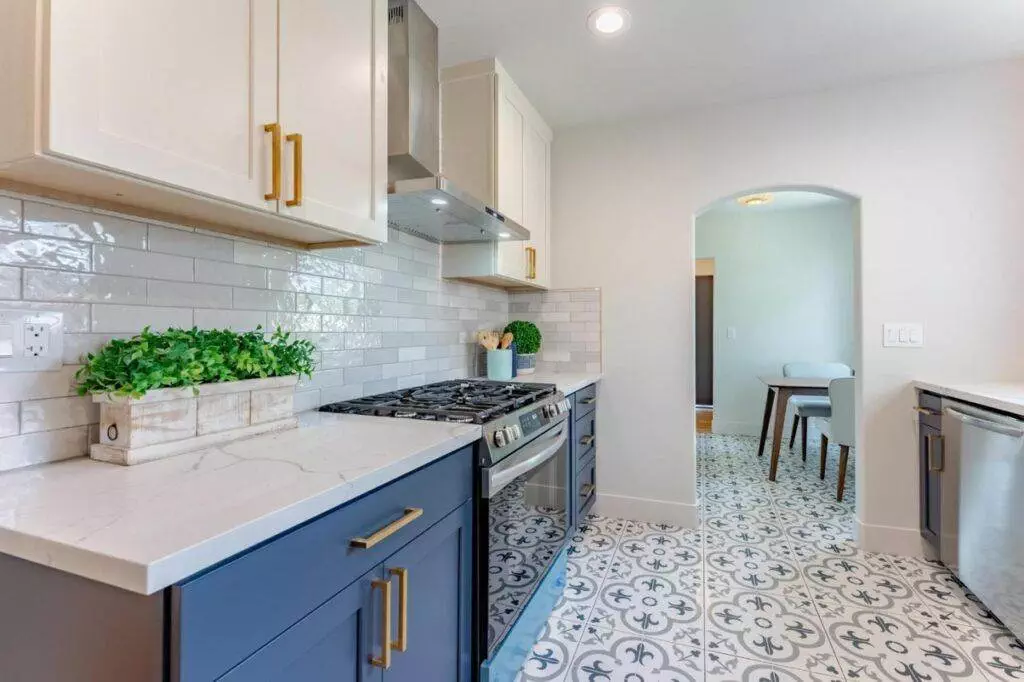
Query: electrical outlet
(31,340)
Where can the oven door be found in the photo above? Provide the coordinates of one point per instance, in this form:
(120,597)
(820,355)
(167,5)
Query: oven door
(526,496)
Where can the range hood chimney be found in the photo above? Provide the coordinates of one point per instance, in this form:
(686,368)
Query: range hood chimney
(420,200)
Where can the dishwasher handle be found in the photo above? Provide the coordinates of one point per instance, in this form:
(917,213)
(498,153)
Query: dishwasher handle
(988,425)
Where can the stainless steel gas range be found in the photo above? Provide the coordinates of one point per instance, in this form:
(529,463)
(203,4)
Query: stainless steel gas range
(522,502)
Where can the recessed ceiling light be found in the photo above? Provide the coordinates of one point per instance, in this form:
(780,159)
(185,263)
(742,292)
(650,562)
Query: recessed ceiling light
(608,21)
(439,202)
(755,200)
(504,235)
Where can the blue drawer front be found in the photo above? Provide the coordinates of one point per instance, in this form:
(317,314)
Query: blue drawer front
(222,616)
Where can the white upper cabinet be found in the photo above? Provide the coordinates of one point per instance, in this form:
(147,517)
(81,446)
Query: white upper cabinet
(194,111)
(328,96)
(496,146)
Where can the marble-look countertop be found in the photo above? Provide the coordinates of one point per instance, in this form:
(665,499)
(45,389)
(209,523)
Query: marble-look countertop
(567,383)
(145,527)
(1007,396)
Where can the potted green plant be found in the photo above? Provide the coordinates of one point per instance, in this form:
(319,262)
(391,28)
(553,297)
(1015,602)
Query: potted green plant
(527,340)
(165,393)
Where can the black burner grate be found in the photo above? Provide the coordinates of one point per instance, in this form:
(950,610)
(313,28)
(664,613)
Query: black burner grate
(470,402)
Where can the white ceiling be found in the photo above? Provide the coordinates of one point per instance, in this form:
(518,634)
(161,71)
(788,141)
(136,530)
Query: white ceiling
(786,200)
(689,53)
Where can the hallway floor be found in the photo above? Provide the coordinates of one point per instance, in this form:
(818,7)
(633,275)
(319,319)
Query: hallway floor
(770,589)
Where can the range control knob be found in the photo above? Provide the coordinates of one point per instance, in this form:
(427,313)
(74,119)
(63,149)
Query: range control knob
(499,438)
(510,434)
(565,405)
(517,431)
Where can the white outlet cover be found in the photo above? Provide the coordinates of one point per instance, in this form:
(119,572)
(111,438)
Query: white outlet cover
(31,340)
(903,335)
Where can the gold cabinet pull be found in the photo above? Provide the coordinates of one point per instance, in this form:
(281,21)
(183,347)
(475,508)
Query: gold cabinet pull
(531,263)
(410,515)
(384,660)
(296,140)
(586,440)
(403,608)
(588,401)
(929,445)
(275,160)
(586,489)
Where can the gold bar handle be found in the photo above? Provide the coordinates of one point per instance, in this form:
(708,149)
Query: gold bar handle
(930,447)
(410,515)
(296,139)
(531,263)
(588,401)
(403,608)
(384,660)
(275,160)
(586,440)
(926,411)
(586,489)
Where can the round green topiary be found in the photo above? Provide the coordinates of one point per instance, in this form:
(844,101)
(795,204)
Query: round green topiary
(527,336)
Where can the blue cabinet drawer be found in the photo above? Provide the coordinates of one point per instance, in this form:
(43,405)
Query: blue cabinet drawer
(585,435)
(585,400)
(586,482)
(220,617)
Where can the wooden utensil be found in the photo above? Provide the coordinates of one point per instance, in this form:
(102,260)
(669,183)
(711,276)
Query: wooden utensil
(507,339)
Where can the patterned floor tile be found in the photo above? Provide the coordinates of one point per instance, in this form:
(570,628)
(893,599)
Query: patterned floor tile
(770,588)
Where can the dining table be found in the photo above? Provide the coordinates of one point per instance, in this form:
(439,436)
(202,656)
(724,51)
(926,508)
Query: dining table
(780,390)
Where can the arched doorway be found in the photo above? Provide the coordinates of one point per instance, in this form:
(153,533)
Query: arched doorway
(783,263)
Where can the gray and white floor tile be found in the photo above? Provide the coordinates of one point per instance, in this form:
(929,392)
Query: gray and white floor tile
(770,588)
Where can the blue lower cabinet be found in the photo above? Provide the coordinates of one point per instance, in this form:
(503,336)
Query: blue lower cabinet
(437,568)
(334,642)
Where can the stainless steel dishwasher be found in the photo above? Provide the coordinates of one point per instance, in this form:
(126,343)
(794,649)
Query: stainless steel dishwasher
(989,447)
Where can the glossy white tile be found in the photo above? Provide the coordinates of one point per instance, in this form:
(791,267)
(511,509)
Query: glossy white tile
(56,285)
(69,223)
(58,413)
(294,281)
(45,446)
(121,319)
(10,282)
(10,214)
(17,248)
(247,253)
(215,272)
(9,419)
(238,320)
(186,242)
(259,299)
(116,261)
(190,294)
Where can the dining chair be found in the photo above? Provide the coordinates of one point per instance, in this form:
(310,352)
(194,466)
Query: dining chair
(841,427)
(807,406)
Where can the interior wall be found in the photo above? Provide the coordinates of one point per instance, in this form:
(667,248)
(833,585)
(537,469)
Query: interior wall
(784,286)
(936,161)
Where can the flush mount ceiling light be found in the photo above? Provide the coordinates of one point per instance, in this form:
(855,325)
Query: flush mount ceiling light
(755,200)
(608,21)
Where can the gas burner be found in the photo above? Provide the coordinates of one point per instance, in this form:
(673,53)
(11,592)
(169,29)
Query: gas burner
(462,402)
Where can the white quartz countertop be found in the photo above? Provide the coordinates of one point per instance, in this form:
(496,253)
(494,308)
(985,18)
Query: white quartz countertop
(1007,396)
(146,527)
(567,383)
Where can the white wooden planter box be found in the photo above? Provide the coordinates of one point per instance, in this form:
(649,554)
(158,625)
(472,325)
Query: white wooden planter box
(170,421)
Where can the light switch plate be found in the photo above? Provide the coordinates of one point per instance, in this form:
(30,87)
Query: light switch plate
(903,335)
(31,340)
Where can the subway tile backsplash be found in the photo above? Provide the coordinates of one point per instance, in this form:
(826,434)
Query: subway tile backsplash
(381,317)
(570,324)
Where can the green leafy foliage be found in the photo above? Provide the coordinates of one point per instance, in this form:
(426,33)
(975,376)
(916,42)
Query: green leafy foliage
(189,357)
(526,334)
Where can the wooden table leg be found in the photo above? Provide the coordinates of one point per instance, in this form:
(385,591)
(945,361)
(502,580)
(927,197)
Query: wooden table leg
(781,401)
(767,418)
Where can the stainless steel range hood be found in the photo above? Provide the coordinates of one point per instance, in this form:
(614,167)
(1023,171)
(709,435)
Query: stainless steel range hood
(420,200)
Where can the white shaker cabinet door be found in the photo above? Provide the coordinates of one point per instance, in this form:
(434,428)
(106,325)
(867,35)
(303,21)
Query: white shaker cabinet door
(174,92)
(511,126)
(333,93)
(537,155)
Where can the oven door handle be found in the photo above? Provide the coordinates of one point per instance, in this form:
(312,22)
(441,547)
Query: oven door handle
(518,464)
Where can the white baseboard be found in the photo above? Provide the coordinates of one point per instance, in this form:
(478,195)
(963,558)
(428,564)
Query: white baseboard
(892,540)
(643,509)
